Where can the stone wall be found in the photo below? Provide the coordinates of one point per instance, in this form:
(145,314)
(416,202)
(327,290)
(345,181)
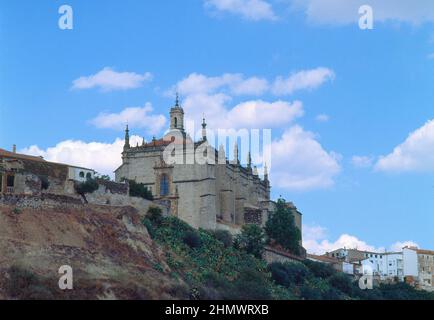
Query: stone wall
(116,194)
(64,202)
(274,255)
(253,216)
(43,201)
(233,229)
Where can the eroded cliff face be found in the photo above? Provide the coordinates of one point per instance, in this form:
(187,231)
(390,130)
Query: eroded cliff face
(108,248)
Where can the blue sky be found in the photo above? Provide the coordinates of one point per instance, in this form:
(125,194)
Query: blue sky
(346,93)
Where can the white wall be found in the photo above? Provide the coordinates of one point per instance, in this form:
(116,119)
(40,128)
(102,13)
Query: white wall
(410,262)
(80,174)
(394,265)
(347,267)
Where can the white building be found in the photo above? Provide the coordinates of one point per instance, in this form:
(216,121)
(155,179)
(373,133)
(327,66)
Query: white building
(419,266)
(387,266)
(80,174)
(394,266)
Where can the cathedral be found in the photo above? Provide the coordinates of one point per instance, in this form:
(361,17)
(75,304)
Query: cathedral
(211,195)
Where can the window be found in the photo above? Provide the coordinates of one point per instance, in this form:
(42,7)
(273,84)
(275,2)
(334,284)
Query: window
(81,174)
(164,185)
(88,175)
(10,181)
(176,122)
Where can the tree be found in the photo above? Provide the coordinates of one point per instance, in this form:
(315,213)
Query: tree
(289,274)
(252,240)
(89,186)
(140,190)
(281,228)
(104,177)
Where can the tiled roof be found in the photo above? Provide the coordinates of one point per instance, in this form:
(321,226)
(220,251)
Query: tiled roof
(323,258)
(18,156)
(422,251)
(8,154)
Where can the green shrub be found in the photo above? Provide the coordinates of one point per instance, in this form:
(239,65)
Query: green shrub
(89,186)
(251,240)
(332,294)
(250,285)
(320,270)
(403,291)
(309,293)
(149,227)
(214,287)
(342,282)
(224,237)
(289,274)
(155,215)
(192,239)
(139,190)
(279,274)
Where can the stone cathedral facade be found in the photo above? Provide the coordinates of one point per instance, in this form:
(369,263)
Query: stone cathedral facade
(214,195)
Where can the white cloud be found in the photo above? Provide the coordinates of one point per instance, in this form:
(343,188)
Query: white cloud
(102,157)
(136,117)
(211,96)
(416,153)
(237,84)
(346,11)
(362,161)
(322,118)
(299,162)
(234,83)
(397,246)
(250,86)
(306,79)
(109,80)
(249,114)
(261,114)
(248,9)
(315,240)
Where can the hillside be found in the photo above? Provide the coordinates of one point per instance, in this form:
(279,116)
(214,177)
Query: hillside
(215,268)
(108,248)
(117,253)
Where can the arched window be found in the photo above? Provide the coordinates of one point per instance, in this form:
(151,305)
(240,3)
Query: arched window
(164,185)
(88,175)
(81,174)
(176,122)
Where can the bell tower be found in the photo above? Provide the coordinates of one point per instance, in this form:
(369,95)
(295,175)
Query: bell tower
(177,116)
